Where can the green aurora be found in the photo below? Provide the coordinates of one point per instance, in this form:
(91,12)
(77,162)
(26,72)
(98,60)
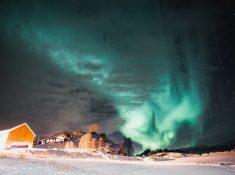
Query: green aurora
(155,95)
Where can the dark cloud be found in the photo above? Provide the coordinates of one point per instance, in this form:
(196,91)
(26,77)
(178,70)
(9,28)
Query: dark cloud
(34,90)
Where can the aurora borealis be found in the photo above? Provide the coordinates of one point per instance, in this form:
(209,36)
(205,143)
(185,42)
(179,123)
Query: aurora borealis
(146,67)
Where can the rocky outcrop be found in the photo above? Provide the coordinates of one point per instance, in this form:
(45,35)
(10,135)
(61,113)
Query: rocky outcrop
(100,142)
(91,141)
(88,141)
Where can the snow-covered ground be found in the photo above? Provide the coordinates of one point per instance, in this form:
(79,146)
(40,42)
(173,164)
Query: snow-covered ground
(24,164)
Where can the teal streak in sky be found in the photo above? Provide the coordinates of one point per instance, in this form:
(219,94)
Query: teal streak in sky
(156,122)
(154,97)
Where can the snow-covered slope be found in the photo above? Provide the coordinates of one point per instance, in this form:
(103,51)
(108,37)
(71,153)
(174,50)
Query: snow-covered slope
(35,162)
(10,166)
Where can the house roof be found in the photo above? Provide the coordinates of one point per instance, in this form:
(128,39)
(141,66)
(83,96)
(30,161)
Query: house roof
(11,129)
(55,136)
(60,134)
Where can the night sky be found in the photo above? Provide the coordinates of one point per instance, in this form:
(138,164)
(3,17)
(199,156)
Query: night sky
(159,71)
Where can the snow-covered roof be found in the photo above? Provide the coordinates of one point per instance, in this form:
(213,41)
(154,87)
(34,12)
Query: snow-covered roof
(55,136)
(11,129)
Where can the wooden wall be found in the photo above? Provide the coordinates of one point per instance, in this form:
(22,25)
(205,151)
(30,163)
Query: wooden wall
(21,134)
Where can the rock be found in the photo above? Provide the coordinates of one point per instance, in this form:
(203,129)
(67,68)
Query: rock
(94,141)
(87,141)
(69,145)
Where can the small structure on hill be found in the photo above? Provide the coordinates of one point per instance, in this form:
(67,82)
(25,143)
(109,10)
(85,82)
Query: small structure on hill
(21,136)
(58,138)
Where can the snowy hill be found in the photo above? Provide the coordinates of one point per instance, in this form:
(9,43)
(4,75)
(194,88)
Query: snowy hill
(42,161)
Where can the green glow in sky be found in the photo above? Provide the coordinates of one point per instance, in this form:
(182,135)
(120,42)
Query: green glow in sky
(154,98)
(155,123)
